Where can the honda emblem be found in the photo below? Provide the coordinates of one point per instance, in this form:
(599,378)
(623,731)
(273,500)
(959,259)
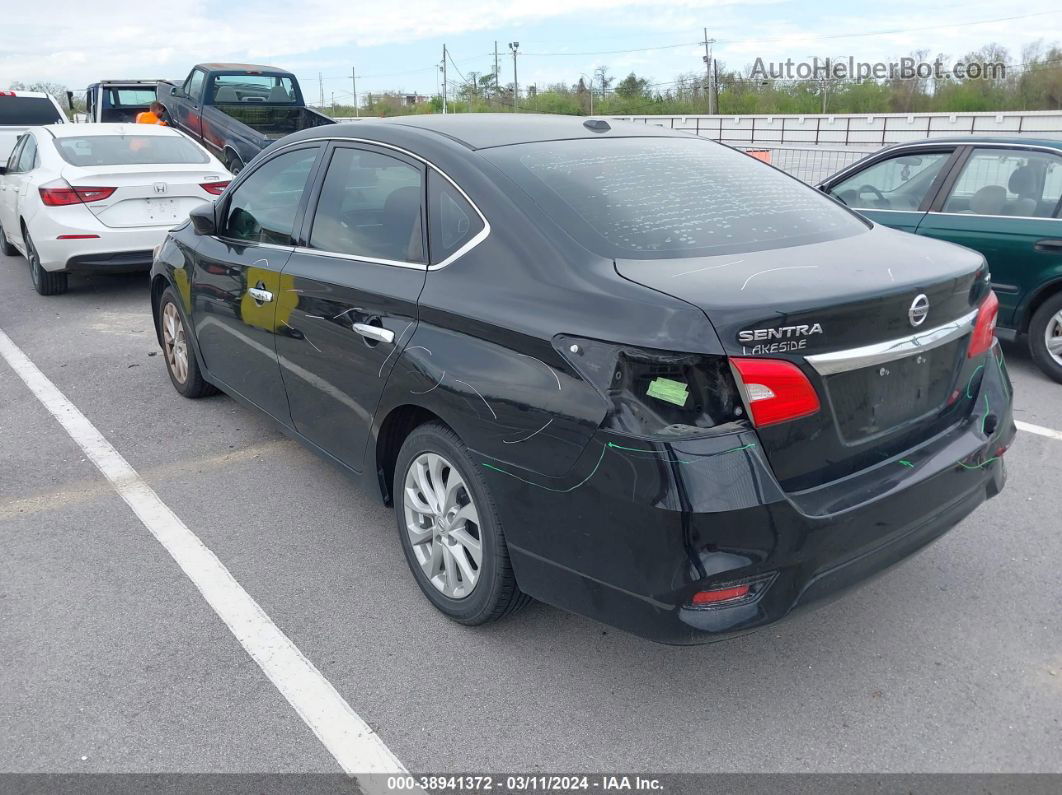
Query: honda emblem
(160,187)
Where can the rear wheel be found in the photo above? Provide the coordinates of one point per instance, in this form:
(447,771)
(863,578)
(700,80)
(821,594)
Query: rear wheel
(5,247)
(450,531)
(1045,337)
(44,282)
(181,363)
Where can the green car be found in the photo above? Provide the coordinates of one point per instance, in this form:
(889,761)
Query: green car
(999,196)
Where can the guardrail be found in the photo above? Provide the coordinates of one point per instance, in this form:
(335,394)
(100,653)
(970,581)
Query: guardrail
(865,130)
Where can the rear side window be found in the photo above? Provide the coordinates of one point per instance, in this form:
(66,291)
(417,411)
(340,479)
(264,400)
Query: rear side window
(27,111)
(370,207)
(128,150)
(263,207)
(654,198)
(452,221)
(28,159)
(1014,182)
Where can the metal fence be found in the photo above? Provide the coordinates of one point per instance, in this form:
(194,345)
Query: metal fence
(866,130)
(810,165)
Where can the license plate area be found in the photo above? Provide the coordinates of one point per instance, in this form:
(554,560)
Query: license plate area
(875,400)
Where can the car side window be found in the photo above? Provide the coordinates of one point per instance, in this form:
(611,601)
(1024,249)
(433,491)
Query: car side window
(27,160)
(370,207)
(263,207)
(452,221)
(898,183)
(193,86)
(16,153)
(1016,182)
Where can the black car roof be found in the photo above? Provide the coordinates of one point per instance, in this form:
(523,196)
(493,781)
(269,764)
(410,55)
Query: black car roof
(483,130)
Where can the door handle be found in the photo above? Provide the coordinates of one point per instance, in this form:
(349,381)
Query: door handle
(260,295)
(1048,245)
(374,332)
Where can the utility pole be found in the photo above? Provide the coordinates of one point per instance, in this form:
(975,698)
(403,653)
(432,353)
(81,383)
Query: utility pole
(496,90)
(320,83)
(515,47)
(708,71)
(354,86)
(444,78)
(715,85)
(333,104)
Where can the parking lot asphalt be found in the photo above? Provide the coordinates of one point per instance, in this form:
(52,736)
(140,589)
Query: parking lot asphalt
(113,661)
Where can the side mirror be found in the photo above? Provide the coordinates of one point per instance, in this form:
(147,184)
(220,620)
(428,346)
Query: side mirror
(203,219)
(3,170)
(174,90)
(70,99)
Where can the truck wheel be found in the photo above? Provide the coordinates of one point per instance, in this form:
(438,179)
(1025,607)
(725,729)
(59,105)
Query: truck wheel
(1045,337)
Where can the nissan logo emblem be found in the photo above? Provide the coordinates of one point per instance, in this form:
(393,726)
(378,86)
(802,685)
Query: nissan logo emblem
(919,310)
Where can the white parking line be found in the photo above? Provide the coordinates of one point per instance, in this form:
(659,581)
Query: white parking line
(1038,429)
(346,736)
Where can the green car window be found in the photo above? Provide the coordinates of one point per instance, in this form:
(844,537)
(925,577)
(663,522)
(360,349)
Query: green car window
(1010,182)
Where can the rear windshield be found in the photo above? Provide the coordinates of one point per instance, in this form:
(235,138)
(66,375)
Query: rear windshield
(656,198)
(128,150)
(128,97)
(261,89)
(27,111)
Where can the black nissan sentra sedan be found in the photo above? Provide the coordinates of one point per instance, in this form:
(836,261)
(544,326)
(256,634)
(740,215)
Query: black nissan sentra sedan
(632,373)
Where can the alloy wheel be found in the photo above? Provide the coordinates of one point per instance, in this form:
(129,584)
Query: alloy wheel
(174,344)
(1053,337)
(443,525)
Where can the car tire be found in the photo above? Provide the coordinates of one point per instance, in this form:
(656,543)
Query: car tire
(5,247)
(181,363)
(1045,326)
(476,593)
(44,282)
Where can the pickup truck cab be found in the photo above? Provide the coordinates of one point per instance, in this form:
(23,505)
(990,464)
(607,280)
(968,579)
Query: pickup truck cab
(20,110)
(237,110)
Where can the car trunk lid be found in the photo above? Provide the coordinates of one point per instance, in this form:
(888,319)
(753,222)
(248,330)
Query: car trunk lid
(849,313)
(160,196)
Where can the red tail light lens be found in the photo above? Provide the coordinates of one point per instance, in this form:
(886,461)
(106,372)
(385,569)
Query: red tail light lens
(777,391)
(984,333)
(702,598)
(7,93)
(60,194)
(214,188)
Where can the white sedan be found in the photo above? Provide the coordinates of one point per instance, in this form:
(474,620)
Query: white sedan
(99,197)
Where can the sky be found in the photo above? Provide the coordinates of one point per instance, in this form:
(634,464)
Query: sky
(398,45)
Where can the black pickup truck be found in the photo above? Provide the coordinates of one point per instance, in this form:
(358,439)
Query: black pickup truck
(237,110)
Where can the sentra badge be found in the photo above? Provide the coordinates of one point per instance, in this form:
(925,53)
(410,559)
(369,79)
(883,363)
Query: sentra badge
(779,339)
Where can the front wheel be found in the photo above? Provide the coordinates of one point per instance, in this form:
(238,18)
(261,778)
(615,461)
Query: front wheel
(1045,337)
(450,531)
(181,363)
(44,282)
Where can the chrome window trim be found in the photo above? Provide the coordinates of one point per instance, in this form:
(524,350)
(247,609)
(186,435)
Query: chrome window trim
(482,235)
(1011,217)
(881,352)
(249,243)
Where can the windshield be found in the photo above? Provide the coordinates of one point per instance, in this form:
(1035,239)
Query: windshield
(128,150)
(654,198)
(27,111)
(261,89)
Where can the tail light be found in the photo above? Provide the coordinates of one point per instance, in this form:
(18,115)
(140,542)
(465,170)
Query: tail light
(984,333)
(7,93)
(776,390)
(214,188)
(59,193)
(714,597)
(655,394)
